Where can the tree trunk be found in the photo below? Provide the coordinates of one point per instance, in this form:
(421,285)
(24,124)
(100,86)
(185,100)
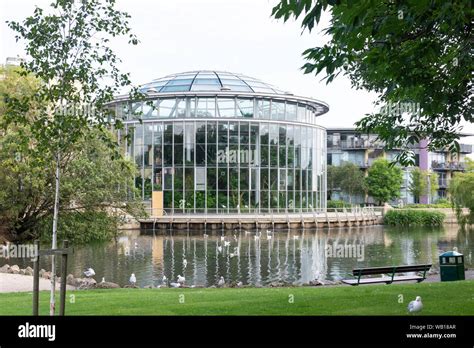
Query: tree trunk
(54,245)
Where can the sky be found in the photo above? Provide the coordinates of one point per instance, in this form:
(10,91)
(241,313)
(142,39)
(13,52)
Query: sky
(232,35)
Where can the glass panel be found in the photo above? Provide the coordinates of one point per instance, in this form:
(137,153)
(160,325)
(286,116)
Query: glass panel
(263,108)
(291,111)
(245,107)
(278,110)
(175,89)
(233,132)
(206,107)
(200,181)
(167,107)
(226,107)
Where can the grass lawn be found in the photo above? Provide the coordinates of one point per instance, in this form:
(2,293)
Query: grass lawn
(448,298)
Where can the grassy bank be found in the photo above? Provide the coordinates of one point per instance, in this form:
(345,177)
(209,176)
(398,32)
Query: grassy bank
(413,217)
(452,298)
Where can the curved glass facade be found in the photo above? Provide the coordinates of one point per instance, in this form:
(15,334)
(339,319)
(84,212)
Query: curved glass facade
(224,154)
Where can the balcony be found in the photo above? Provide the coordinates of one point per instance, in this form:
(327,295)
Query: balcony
(465,148)
(443,183)
(459,166)
(359,144)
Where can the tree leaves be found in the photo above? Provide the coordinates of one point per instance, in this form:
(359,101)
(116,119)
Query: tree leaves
(415,52)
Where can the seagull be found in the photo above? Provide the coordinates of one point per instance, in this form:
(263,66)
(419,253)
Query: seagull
(163,280)
(222,238)
(269,237)
(133,279)
(219,248)
(415,306)
(185,263)
(205,235)
(226,243)
(103,280)
(221,282)
(175,285)
(296,237)
(136,245)
(89,272)
(181,280)
(239,284)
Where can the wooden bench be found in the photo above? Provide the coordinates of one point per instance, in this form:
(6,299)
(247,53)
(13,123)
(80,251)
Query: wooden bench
(391,271)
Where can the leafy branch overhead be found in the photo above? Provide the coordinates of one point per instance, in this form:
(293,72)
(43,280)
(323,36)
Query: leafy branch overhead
(68,50)
(416,52)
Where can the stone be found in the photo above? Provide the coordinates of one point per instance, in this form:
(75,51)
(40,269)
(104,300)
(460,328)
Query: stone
(29,271)
(107,285)
(15,269)
(129,286)
(46,275)
(22,271)
(70,280)
(41,272)
(148,287)
(5,269)
(85,283)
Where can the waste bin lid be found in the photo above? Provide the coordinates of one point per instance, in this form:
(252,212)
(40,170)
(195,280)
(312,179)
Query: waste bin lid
(451,253)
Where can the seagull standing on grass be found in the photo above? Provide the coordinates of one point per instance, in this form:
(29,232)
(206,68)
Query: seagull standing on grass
(415,306)
(133,279)
(221,282)
(89,272)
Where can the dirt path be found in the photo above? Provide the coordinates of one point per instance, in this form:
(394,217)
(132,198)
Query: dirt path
(17,282)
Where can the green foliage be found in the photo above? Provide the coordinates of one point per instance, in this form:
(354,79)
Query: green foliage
(423,183)
(337,204)
(461,189)
(406,52)
(92,184)
(81,227)
(409,217)
(384,181)
(434,206)
(348,178)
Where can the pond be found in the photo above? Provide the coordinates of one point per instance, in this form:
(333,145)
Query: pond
(280,256)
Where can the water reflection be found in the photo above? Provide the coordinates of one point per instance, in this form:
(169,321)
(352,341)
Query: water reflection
(261,258)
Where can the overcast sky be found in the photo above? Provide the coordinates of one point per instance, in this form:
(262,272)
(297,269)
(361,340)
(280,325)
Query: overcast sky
(232,35)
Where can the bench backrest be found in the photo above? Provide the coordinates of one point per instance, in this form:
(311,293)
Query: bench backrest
(389,269)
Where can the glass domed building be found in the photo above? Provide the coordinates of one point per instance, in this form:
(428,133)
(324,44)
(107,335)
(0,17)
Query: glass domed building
(219,142)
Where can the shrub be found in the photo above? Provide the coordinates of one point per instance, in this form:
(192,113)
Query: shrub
(436,205)
(337,204)
(81,228)
(410,217)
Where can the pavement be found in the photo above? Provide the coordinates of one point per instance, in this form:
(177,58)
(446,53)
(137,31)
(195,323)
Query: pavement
(18,283)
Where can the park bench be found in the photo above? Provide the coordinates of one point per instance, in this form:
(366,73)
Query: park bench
(391,271)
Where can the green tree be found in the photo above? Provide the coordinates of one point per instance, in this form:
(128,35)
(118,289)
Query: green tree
(68,50)
(384,181)
(423,183)
(333,179)
(461,189)
(405,51)
(351,180)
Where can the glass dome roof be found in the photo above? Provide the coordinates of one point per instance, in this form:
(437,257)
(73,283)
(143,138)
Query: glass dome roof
(208,80)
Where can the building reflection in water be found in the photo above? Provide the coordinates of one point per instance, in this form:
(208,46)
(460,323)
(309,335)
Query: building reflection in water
(284,256)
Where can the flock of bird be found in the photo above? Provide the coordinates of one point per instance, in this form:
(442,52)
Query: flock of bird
(413,307)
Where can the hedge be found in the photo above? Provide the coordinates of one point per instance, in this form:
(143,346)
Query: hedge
(413,217)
